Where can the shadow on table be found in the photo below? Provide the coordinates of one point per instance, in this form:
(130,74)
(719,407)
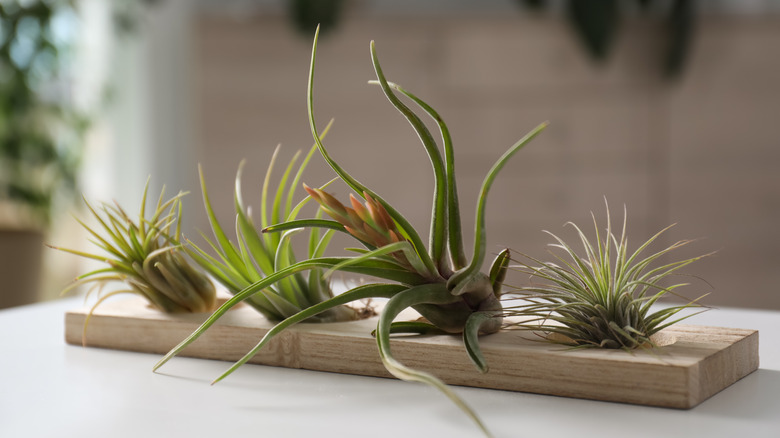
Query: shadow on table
(755,396)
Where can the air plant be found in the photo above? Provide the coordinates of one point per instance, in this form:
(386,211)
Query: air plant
(604,298)
(239,265)
(449,291)
(146,256)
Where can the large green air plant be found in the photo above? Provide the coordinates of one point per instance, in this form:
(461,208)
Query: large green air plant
(237,266)
(146,256)
(447,289)
(605,298)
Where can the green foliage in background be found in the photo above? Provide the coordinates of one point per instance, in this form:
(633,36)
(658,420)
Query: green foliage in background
(597,24)
(40,131)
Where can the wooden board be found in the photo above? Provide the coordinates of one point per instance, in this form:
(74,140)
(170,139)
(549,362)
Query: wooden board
(700,362)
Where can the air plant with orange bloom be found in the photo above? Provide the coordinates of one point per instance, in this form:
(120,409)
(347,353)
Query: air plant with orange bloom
(438,281)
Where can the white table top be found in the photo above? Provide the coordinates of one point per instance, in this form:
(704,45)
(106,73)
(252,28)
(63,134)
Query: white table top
(52,389)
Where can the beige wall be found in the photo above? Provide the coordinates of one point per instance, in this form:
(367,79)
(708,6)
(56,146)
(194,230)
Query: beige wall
(701,152)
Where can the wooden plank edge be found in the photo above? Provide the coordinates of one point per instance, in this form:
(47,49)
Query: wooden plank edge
(724,368)
(733,356)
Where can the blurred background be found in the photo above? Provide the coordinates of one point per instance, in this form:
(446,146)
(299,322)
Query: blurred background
(669,108)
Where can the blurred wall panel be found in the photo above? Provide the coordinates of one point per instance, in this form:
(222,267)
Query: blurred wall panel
(725,160)
(697,151)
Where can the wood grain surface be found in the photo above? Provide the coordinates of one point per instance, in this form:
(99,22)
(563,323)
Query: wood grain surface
(697,363)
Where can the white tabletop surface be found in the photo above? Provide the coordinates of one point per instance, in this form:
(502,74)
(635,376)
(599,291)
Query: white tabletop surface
(50,389)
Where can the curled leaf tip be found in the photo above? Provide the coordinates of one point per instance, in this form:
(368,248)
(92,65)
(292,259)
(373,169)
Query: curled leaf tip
(312,192)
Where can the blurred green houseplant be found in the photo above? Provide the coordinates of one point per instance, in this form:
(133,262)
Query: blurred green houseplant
(40,136)
(40,131)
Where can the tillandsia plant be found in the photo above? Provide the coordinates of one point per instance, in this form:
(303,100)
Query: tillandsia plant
(238,266)
(603,298)
(146,256)
(447,289)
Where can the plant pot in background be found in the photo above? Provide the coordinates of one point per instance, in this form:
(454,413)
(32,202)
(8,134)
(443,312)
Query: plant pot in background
(21,252)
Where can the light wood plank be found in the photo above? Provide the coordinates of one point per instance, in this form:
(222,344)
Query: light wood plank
(699,363)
